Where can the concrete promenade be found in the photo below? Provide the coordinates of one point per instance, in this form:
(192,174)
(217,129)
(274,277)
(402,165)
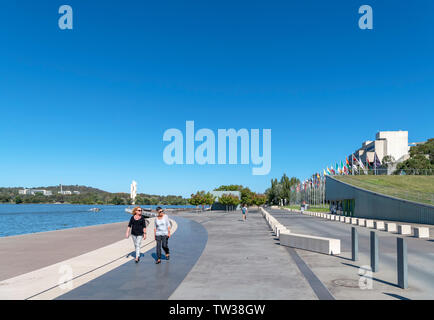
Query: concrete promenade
(242,260)
(29,252)
(214,255)
(340,274)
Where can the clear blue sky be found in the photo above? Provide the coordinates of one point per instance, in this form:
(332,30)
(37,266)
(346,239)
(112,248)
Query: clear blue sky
(89,106)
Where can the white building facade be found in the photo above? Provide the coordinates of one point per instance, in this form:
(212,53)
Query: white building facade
(386,143)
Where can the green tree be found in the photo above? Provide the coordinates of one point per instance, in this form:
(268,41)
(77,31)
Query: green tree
(196,199)
(201,198)
(18,200)
(259,199)
(117,201)
(229,200)
(421,160)
(280,189)
(246,193)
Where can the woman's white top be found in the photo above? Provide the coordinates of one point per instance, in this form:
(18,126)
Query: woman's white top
(162,226)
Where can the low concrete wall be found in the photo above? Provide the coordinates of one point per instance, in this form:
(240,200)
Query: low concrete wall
(311,243)
(300,241)
(377,206)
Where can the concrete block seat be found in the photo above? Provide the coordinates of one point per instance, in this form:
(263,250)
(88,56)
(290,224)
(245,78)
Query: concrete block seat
(369,224)
(421,232)
(404,229)
(379,225)
(391,227)
(311,243)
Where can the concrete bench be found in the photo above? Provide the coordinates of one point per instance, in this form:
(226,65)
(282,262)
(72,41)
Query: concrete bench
(421,232)
(311,243)
(347,220)
(273,223)
(404,229)
(354,220)
(391,227)
(281,229)
(369,223)
(361,222)
(379,225)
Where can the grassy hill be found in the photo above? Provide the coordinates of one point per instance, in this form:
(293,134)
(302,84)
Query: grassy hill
(56,189)
(88,195)
(414,188)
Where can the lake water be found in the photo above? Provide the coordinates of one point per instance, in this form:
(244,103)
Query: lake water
(18,219)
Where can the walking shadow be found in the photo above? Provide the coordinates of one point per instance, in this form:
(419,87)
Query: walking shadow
(133,254)
(154,255)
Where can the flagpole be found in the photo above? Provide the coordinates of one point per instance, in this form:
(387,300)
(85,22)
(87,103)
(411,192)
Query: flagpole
(352,168)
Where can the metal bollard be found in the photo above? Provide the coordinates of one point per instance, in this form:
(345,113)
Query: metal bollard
(374,251)
(402,265)
(354,244)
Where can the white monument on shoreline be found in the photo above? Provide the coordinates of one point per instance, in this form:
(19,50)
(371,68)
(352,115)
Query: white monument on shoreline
(133,193)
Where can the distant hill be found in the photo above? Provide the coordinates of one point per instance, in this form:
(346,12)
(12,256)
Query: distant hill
(409,187)
(88,195)
(56,189)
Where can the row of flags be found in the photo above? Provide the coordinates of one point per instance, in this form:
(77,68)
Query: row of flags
(355,166)
(351,166)
(315,181)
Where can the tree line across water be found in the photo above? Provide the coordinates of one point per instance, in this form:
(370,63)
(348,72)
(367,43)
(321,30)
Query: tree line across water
(88,195)
(93,196)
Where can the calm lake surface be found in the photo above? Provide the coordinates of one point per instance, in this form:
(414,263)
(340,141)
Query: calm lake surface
(18,219)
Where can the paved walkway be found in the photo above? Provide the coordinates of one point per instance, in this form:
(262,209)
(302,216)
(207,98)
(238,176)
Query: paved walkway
(340,274)
(242,260)
(214,255)
(29,252)
(146,280)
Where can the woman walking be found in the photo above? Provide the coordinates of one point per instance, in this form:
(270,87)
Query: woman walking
(137,227)
(162,233)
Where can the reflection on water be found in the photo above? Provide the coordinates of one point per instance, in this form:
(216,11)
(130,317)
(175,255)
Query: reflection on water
(18,219)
